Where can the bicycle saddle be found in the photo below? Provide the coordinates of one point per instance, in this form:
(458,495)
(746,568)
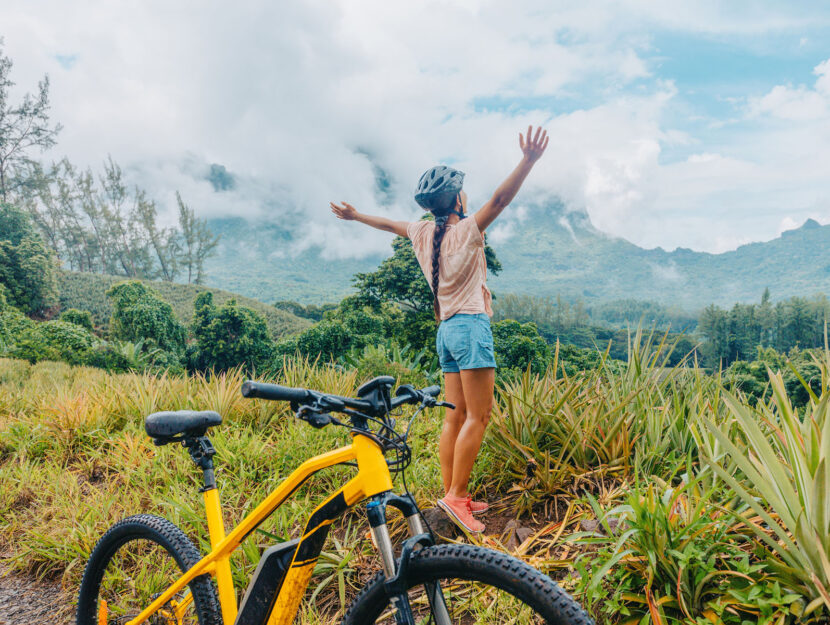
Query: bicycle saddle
(164,426)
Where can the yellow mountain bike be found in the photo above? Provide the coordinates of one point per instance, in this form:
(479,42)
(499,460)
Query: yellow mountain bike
(145,569)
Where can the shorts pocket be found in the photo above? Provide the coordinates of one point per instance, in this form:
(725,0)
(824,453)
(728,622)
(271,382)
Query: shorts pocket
(457,341)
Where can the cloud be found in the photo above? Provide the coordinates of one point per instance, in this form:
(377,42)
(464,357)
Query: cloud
(667,273)
(301,101)
(801,103)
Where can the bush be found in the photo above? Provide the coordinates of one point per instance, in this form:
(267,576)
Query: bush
(27,266)
(519,345)
(139,314)
(752,377)
(53,340)
(82,318)
(108,357)
(228,336)
(338,334)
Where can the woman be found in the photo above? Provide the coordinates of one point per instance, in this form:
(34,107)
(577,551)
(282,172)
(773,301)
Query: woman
(450,251)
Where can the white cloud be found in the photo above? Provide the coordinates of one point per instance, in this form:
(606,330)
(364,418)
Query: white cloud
(290,95)
(667,273)
(799,103)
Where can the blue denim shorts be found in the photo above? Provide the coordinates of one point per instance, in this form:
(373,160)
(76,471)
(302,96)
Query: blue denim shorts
(465,342)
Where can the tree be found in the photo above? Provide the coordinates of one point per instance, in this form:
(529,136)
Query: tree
(53,340)
(164,241)
(27,266)
(23,127)
(198,242)
(519,345)
(139,314)
(399,281)
(228,336)
(82,318)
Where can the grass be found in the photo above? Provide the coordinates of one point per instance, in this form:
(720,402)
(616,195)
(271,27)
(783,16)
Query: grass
(87,291)
(648,491)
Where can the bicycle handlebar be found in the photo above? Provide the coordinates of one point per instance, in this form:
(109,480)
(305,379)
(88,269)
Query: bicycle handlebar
(276,392)
(262,390)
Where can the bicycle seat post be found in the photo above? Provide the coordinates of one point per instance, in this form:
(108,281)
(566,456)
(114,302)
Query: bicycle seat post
(202,452)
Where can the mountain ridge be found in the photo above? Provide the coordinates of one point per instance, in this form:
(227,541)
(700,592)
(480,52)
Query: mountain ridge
(553,251)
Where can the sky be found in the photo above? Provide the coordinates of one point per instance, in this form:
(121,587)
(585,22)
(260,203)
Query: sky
(697,124)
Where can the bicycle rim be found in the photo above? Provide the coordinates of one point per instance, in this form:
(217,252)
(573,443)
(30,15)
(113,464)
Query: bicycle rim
(138,572)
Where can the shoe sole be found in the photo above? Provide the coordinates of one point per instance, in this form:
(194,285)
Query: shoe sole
(449,512)
(480,511)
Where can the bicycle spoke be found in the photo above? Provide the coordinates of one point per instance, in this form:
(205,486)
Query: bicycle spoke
(136,575)
(468,603)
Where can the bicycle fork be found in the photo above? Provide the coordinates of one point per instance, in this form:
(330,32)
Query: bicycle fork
(396,573)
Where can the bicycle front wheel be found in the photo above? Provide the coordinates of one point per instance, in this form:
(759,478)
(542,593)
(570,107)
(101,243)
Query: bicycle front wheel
(479,586)
(132,564)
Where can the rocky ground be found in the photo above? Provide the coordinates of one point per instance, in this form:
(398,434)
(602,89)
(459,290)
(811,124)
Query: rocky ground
(26,601)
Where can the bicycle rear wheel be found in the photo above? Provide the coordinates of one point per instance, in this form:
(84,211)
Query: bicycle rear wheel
(479,586)
(135,561)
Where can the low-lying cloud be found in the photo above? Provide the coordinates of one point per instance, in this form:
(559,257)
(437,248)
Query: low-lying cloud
(301,101)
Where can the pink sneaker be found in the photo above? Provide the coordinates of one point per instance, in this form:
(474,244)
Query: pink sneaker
(478,507)
(459,510)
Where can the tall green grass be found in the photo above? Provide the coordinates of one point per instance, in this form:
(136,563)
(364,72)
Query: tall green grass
(709,509)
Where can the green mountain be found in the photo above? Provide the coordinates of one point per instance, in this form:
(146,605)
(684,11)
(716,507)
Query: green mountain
(557,252)
(253,258)
(87,291)
(551,252)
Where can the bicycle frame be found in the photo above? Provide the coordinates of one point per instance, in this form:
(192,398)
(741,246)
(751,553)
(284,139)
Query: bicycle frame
(373,478)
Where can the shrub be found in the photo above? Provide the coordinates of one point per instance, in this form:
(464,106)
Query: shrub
(139,314)
(228,336)
(53,340)
(109,357)
(13,324)
(27,266)
(519,346)
(673,555)
(402,363)
(334,337)
(798,368)
(82,318)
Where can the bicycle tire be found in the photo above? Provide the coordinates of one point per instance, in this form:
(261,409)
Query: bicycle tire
(487,567)
(146,527)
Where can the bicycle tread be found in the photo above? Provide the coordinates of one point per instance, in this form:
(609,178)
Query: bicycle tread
(468,561)
(147,526)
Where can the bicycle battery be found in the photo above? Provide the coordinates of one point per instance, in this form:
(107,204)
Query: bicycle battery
(265,584)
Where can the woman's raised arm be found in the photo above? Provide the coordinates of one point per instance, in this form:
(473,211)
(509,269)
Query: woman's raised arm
(349,213)
(532,151)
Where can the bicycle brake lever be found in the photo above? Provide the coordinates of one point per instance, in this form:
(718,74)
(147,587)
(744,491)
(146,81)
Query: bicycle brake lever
(318,419)
(313,417)
(444,404)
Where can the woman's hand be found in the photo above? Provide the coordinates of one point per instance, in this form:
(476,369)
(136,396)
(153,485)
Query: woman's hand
(346,211)
(349,213)
(535,146)
(532,150)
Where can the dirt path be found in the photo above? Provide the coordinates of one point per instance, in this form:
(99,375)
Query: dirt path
(25,601)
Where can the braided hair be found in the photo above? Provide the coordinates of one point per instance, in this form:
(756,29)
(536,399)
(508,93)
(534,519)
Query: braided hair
(439,192)
(437,238)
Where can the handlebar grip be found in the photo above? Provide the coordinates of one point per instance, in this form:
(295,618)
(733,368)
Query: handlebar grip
(274,392)
(432,391)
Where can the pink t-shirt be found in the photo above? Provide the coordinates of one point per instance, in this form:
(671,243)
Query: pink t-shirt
(462,270)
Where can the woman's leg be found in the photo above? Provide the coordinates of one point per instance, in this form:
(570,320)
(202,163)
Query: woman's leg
(477,387)
(453,420)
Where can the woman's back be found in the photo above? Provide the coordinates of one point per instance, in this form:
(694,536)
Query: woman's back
(462,268)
